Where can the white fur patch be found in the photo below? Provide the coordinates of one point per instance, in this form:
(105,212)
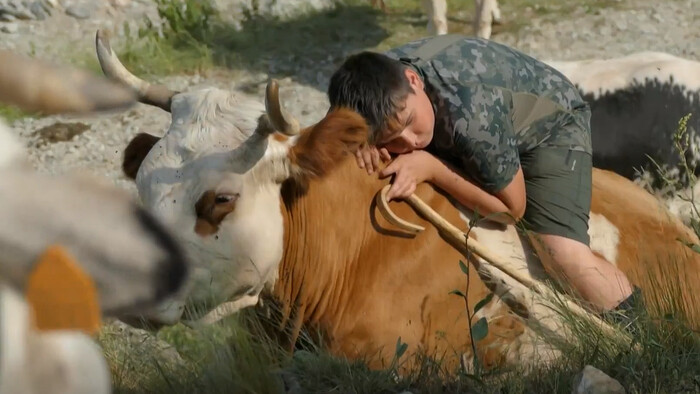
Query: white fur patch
(10,148)
(517,256)
(600,76)
(605,237)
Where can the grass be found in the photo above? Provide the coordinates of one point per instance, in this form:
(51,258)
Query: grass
(11,113)
(228,358)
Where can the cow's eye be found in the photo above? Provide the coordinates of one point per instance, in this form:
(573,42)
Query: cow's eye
(225,198)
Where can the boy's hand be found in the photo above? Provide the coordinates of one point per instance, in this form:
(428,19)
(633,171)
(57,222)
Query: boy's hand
(410,169)
(369,157)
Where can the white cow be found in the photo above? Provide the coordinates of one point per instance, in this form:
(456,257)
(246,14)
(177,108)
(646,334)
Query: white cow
(131,258)
(486,13)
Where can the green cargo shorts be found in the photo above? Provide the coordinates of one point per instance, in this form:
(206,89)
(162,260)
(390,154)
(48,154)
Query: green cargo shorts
(558,187)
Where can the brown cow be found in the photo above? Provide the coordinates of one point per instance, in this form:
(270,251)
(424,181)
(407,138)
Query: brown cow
(291,217)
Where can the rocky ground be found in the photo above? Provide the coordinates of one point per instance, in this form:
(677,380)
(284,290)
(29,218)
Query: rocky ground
(51,29)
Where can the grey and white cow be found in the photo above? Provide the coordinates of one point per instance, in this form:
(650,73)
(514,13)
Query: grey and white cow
(132,258)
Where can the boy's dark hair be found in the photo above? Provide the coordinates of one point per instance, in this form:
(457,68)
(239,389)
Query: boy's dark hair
(375,86)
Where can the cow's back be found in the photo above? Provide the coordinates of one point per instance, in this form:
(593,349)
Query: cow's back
(650,247)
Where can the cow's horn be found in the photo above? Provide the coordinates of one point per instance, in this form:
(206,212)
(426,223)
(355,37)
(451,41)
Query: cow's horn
(281,120)
(157,95)
(34,85)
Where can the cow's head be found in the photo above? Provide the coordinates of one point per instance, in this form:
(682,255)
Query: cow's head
(216,175)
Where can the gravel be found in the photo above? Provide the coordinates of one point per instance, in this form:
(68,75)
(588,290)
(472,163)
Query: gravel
(645,26)
(642,27)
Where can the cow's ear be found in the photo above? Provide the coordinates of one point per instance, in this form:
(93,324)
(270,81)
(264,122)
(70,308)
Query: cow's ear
(135,152)
(322,147)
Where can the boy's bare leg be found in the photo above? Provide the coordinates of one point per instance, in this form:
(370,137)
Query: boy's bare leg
(596,280)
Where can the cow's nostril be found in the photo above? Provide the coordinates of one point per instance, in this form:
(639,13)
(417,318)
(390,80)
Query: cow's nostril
(171,273)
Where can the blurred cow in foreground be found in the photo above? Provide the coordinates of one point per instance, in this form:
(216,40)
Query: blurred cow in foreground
(54,228)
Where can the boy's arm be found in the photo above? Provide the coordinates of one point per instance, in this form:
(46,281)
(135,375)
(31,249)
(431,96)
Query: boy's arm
(509,200)
(488,148)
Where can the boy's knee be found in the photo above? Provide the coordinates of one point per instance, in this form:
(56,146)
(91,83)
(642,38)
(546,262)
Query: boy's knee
(560,249)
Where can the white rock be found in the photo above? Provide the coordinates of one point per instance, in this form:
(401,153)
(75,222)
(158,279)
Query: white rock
(593,381)
(9,28)
(120,3)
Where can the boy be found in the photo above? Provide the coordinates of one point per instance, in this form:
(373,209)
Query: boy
(517,128)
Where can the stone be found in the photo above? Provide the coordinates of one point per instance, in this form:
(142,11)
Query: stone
(235,12)
(120,3)
(15,8)
(9,28)
(79,11)
(39,10)
(137,340)
(594,381)
(621,24)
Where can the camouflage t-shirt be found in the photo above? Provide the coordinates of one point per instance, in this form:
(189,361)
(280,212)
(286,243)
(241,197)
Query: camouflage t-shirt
(493,103)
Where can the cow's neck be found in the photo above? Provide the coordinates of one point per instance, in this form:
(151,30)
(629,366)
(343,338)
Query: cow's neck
(326,222)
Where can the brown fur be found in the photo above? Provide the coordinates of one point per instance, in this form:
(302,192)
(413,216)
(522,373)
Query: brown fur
(280,137)
(135,152)
(211,213)
(320,147)
(357,283)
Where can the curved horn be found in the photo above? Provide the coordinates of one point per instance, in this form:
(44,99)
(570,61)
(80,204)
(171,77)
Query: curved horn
(34,85)
(157,95)
(281,120)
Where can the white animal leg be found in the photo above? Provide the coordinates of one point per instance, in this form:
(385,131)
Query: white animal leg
(484,11)
(436,12)
(495,12)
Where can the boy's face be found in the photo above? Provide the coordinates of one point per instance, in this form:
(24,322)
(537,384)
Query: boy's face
(417,119)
